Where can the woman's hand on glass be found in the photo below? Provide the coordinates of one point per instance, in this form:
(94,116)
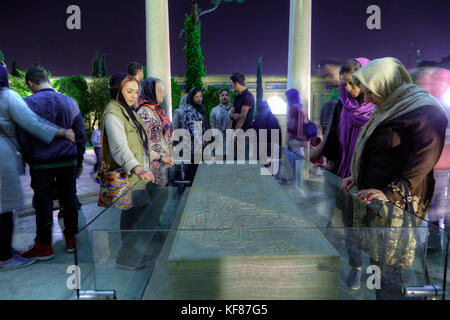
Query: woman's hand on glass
(144,175)
(168,161)
(347,184)
(369,195)
(329,166)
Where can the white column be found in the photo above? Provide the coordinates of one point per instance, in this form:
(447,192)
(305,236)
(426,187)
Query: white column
(158,46)
(299,65)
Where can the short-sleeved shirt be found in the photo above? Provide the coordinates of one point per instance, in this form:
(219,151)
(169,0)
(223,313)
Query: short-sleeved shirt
(244,100)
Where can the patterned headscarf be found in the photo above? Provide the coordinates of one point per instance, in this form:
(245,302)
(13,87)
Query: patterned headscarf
(148,96)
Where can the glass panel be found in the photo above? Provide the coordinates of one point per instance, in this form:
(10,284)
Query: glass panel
(249,264)
(242,212)
(158,212)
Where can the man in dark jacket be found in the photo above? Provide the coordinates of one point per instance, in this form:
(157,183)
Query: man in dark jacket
(54,166)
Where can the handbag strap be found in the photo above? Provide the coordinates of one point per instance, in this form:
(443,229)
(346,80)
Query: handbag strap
(409,207)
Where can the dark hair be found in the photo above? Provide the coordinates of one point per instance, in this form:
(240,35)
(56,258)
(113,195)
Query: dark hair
(239,78)
(36,75)
(222,90)
(350,66)
(192,93)
(133,68)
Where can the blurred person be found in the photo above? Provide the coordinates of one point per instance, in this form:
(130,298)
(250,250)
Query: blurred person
(55,166)
(393,162)
(15,113)
(136,70)
(195,112)
(329,72)
(265,120)
(296,133)
(96,140)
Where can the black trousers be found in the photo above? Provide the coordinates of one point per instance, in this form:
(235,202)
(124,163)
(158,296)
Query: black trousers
(98,154)
(6,232)
(44,183)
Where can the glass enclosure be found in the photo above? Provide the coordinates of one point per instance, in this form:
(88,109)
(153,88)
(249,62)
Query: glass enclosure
(237,233)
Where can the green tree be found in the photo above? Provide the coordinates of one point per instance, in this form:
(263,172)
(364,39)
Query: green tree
(195,69)
(97,99)
(104,72)
(14,71)
(17,83)
(77,88)
(259,83)
(96,68)
(176,94)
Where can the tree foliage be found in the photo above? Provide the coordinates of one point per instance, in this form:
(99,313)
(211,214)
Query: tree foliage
(17,83)
(97,99)
(96,68)
(176,94)
(77,88)
(195,69)
(103,72)
(14,70)
(36,62)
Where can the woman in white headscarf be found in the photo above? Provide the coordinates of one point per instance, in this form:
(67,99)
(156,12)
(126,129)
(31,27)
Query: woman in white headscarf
(393,162)
(403,139)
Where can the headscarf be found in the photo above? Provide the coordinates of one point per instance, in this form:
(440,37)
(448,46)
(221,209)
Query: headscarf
(199,107)
(389,79)
(4,81)
(148,96)
(293,97)
(353,118)
(183,102)
(114,85)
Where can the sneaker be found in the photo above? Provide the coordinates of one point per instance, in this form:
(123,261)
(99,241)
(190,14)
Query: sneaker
(354,279)
(70,244)
(16,262)
(40,252)
(131,259)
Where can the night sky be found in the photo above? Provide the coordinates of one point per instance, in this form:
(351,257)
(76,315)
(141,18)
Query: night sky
(233,37)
